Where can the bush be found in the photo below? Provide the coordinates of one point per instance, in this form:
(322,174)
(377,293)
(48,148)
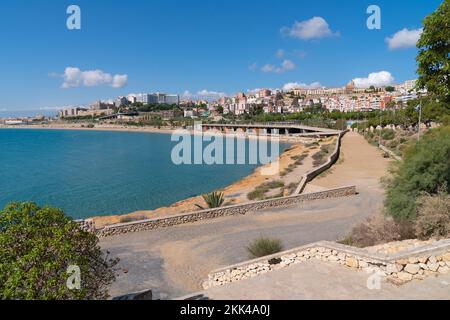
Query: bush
(433,216)
(387,134)
(260,191)
(378,230)
(264,247)
(425,167)
(38,245)
(132,219)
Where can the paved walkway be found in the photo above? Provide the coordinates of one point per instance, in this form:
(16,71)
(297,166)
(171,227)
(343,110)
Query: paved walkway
(174,261)
(325,280)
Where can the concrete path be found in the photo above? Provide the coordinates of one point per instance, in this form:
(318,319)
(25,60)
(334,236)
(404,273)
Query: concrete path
(174,261)
(325,280)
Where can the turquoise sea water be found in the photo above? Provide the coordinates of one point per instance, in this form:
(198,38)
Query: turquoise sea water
(92,173)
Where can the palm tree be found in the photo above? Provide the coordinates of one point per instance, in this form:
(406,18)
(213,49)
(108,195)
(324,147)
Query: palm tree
(213,200)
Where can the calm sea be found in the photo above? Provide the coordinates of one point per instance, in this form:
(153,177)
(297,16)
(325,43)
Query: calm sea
(91,173)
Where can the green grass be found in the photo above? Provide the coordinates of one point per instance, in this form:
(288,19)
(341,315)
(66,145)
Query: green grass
(264,247)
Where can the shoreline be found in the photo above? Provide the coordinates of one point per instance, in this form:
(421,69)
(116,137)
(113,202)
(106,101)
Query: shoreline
(130,129)
(234,193)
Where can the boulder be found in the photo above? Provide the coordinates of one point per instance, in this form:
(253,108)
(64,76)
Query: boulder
(351,262)
(404,276)
(412,268)
(433,266)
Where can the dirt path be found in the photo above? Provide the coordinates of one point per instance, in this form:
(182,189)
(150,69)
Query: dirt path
(361,164)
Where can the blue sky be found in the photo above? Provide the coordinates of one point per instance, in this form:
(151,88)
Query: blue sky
(177,46)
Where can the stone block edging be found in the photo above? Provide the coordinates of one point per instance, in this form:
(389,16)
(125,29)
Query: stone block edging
(417,263)
(309,176)
(239,209)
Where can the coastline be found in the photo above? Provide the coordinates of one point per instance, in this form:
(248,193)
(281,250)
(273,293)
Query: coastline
(235,193)
(121,128)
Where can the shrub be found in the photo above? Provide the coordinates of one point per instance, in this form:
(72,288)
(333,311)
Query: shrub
(37,247)
(260,191)
(425,167)
(132,219)
(213,200)
(433,216)
(388,134)
(377,230)
(264,247)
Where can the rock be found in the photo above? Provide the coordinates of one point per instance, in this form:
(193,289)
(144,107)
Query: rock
(444,270)
(432,259)
(404,276)
(394,268)
(412,268)
(363,264)
(423,266)
(341,256)
(351,262)
(423,259)
(433,266)
(418,277)
(446,257)
(442,264)
(333,258)
(413,260)
(403,262)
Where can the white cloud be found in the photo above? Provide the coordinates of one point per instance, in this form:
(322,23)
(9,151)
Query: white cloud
(210,94)
(74,77)
(280,53)
(376,79)
(404,39)
(119,81)
(314,28)
(187,94)
(286,65)
(298,85)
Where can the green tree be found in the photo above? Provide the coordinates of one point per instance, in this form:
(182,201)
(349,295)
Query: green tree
(425,168)
(433,58)
(37,246)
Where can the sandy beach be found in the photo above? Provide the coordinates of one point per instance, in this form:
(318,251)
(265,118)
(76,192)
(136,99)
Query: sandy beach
(289,173)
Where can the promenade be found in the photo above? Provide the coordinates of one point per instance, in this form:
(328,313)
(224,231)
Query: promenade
(174,261)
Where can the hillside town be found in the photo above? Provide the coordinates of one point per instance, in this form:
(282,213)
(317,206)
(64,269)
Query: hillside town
(261,101)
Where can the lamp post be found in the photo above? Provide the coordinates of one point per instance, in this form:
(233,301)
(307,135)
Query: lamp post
(420,120)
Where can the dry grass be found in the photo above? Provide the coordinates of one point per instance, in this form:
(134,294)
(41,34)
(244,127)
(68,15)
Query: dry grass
(378,230)
(433,216)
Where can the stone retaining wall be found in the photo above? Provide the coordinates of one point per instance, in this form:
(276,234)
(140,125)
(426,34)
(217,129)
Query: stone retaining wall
(311,175)
(240,209)
(417,264)
(392,154)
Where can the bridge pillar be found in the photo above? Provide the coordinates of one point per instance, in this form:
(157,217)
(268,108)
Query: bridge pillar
(287,131)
